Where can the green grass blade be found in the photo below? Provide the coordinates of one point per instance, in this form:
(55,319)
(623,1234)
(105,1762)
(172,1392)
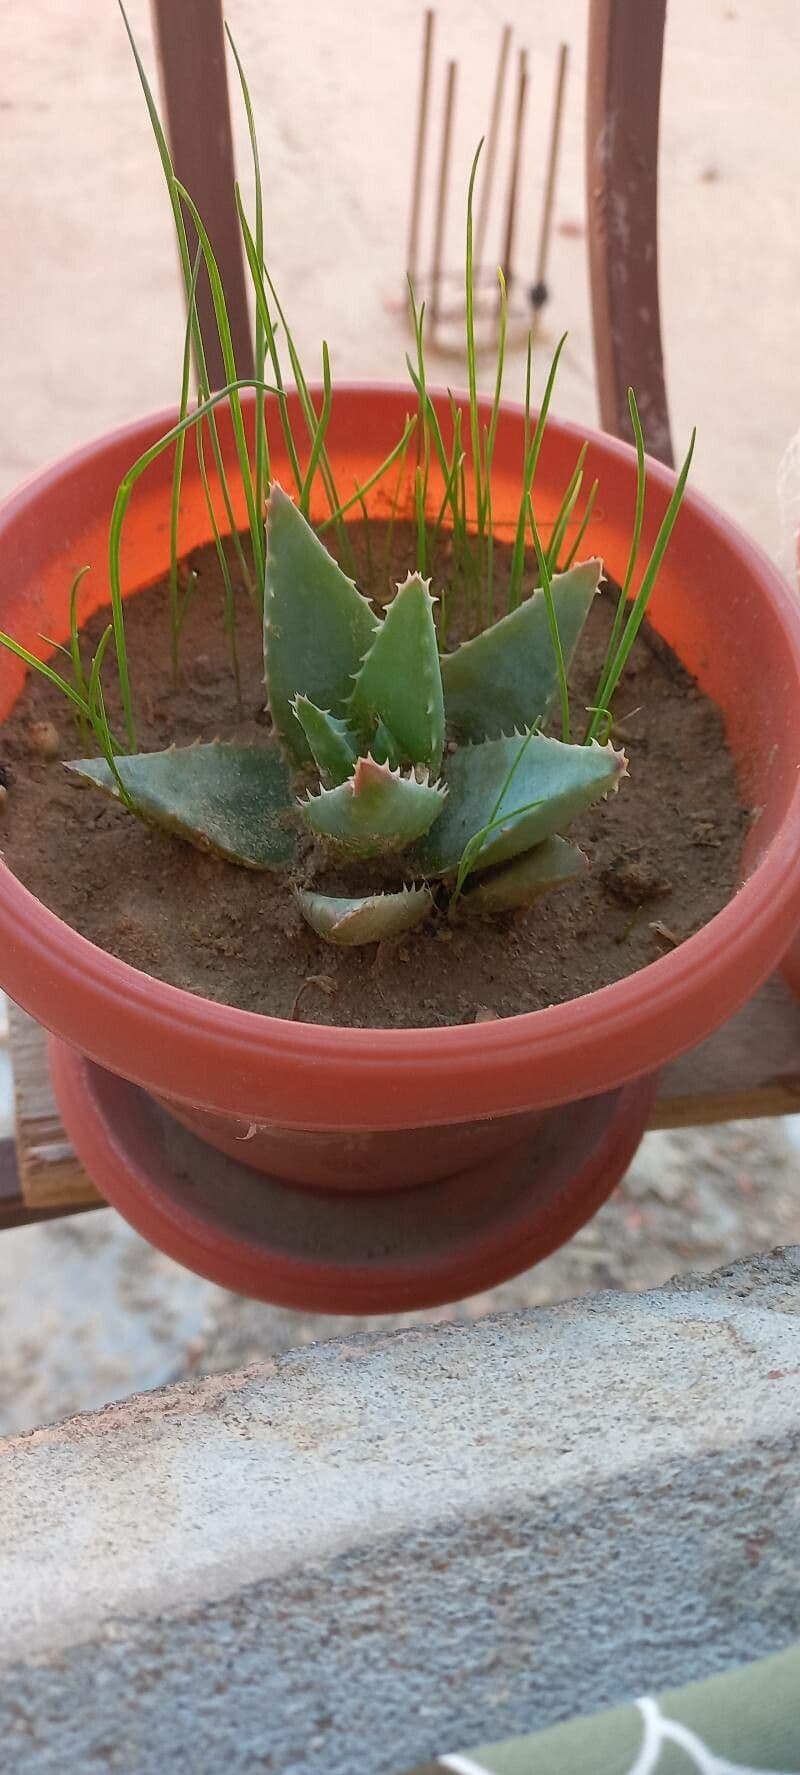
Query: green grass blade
(204,387)
(306,403)
(565,511)
(105,741)
(639,607)
(473,848)
(318,440)
(263,470)
(45,671)
(74,648)
(636,536)
(583,526)
(402,453)
(419,511)
(487,500)
(121,502)
(420,382)
(450,495)
(472,378)
(544,581)
(400,450)
(79,701)
(450,465)
(229,601)
(518,556)
(256,518)
(99,718)
(181,607)
(97,666)
(498,381)
(177,474)
(432,419)
(531,462)
(262,309)
(490,434)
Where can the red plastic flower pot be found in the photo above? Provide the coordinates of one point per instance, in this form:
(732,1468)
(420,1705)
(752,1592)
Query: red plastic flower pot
(382,1251)
(376,1108)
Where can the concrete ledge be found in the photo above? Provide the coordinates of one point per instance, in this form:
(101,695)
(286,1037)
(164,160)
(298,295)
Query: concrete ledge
(365,1552)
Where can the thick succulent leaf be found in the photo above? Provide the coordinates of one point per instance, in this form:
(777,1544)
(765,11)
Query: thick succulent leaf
(376,811)
(317,627)
(236,801)
(506,679)
(371,920)
(550,865)
(524,788)
(330,740)
(399,683)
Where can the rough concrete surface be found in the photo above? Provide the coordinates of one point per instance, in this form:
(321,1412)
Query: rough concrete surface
(90,1313)
(355,1555)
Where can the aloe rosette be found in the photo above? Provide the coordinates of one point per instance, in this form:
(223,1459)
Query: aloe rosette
(384,751)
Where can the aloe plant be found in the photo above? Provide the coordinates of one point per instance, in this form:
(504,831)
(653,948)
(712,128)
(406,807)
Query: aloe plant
(419,778)
(431,769)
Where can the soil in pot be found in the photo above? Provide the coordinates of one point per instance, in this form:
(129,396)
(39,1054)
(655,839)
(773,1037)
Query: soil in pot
(665,851)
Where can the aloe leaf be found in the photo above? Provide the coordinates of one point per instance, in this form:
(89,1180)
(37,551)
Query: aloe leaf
(376,811)
(236,801)
(523,788)
(552,864)
(507,678)
(369,920)
(332,745)
(399,682)
(317,626)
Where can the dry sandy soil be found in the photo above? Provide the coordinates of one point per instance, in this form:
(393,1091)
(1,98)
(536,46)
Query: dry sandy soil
(91,326)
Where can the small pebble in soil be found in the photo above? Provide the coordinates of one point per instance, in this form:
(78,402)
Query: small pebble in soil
(634,880)
(3,796)
(43,738)
(204,671)
(704,832)
(485,1015)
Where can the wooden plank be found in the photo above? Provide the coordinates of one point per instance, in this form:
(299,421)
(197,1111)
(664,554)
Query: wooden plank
(626,39)
(50,1176)
(190,42)
(14,1210)
(750,1068)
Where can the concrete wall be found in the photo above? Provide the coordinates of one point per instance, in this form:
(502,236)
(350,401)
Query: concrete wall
(371,1550)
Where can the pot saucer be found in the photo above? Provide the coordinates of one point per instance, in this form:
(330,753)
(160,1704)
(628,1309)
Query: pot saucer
(377,1253)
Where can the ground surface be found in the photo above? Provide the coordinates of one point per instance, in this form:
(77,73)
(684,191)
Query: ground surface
(90,323)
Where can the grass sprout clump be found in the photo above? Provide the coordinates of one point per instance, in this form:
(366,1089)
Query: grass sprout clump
(416,777)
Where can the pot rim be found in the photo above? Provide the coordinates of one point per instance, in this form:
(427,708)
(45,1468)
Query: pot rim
(421,1075)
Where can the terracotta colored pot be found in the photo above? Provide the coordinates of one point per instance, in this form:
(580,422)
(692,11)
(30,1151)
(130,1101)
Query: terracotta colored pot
(340,1251)
(334,1106)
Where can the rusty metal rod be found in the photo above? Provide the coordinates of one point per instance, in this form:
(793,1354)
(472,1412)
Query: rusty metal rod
(441,196)
(516,156)
(421,143)
(539,290)
(623,92)
(490,156)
